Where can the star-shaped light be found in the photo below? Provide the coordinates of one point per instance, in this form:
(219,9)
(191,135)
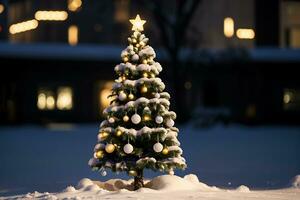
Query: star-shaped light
(137,23)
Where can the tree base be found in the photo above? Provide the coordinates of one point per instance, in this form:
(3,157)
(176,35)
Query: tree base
(138,180)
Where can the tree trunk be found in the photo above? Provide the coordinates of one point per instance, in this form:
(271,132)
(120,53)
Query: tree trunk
(138,180)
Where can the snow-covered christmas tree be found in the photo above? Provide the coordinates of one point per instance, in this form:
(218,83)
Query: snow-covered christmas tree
(138,131)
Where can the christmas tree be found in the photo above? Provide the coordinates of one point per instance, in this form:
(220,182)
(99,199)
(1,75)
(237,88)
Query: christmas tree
(138,131)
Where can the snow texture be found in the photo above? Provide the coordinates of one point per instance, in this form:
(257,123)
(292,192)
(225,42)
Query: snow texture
(162,187)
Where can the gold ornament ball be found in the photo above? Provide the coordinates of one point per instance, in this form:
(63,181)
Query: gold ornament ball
(99,154)
(134,41)
(109,148)
(137,45)
(132,173)
(145,61)
(125,59)
(144,89)
(119,133)
(165,151)
(131,96)
(125,118)
(147,117)
(145,74)
(123,77)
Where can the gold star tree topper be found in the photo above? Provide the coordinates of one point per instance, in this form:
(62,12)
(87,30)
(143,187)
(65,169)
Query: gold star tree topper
(137,23)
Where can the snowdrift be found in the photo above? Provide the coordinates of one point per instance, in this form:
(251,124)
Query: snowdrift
(163,187)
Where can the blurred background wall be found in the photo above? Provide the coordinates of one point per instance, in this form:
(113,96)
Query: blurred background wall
(237,61)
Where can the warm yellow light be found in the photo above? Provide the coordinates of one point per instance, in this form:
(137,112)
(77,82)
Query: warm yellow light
(103,135)
(1,8)
(245,33)
(99,154)
(137,23)
(144,89)
(104,93)
(74,5)
(64,98)
(23,26)
(228,27)
(147,118)
(41,102)
(119,133)
(73,35)
(51,15)
(287,98)
(145,74)
(50,102)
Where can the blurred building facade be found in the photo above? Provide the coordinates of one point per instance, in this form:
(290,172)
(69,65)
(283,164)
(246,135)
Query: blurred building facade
(60,55)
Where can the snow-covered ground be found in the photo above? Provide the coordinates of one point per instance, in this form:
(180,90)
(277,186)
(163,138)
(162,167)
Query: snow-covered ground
(34,158)
(163,187)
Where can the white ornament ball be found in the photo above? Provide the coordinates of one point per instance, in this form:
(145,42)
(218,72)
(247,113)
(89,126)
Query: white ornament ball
(157,95)
(159,119)
(128,148)
(170,122)
(135,57)
(111,120)
(122,96)
(103,173)
(171,172)
(158,147)
(136,119)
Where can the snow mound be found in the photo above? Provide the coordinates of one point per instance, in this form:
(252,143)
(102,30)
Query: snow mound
(92,188)
(83,183)
(242,188)
(192,178)
(169,182)
(295,183)
(69,189)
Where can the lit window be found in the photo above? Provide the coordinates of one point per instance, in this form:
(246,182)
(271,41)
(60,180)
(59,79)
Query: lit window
(50,102)
(64,98)
(228,27)
(41,102)
(1,8)
(44,15)
(104,93)
(74,5)
(245,33)
(121,10)
(295,37)
(46,100)
(291,99)
(73,35)
(23,26)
